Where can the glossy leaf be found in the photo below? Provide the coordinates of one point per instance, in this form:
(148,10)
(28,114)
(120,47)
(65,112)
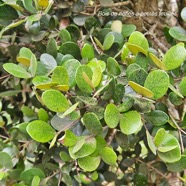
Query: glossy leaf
(108,155)
(157,82)
(55,101)
(163,139)
(174,57)
(157,62)
(89,163)
(130,122)
(16,70)
(178,33)
(111,115)
(92,123)
(108,41)
(40,131)
(69,139)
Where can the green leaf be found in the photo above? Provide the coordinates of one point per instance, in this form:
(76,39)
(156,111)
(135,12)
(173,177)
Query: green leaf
(89,163)
(27,111)
(108,41)
(170,153)
(24,56)
(92,123)
(6,160)
(128,29)
(151,143)
(33,65)
(28,175)
(136,74)
(42,115)
(178,33)
(137,38)
(116,26)
(87,51)
(9,93)
(130,122)
(174,57)
(40,131)
(97,73)
(87,149)
(68,111)
(157,117)
(48,62)
(157,62)
(80,78)
(113,66)
(69,139)
(108,155)
(65,35)
(74,32)
(52,47)
(182,86)
(71,67)
(78,145)
(28,4)
(16,70)
(175,99)
(112,115)
(141,90)
(7,12)
(35,181)
(178,166)
(74,49)
(157,82)
(183,14)
(55,100)
(60,76)
(91,22)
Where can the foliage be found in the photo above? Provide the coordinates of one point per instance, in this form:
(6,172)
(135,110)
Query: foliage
(87,102)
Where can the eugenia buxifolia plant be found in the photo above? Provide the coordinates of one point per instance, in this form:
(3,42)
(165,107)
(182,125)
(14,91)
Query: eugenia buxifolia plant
(88,104)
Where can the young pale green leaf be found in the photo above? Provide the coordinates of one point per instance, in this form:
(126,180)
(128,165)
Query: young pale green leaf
(65,35)
(178,33)
(128,29)
(112,115)
(157,82)
(108,155)
(138,39)
(33,65)
(60,76)
(97,73)
(74,49)
(80,78)
(35,181)
(113,67)
(87,149)
(87,51)
(177,92)
(40,131)
(130,122)
(69,139)
(68,111)
(157,61)
(174,57)
(42,115)
(169,146)
(24,56)
(27,175)
(98,43)
(116,26)
(182,86)
(79,144)
(52,47)
(92,123)
(6,160)
(141,90)
(157,117)
(108,41)
(55,100)
(151,143)
(89,163)
(183,14)
(135,49)
(16,70)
